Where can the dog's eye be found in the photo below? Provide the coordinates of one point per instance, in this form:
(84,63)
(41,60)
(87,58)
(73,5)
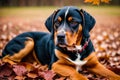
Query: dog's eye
(57,24)
(73,23)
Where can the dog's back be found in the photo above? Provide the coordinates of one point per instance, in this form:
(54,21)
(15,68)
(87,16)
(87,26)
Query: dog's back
(43,46)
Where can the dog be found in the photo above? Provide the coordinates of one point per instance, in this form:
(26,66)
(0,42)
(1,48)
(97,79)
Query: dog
(66,49)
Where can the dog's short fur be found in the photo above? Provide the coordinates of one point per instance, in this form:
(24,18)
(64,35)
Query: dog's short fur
(65,49)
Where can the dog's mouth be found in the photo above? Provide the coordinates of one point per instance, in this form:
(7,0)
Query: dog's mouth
(62,43)
(68,47)
(74,47)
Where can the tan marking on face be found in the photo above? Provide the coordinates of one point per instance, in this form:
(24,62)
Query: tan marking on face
(59,19)
(74,38)
(70,19)
(79,38)
(55,37)
(71,38)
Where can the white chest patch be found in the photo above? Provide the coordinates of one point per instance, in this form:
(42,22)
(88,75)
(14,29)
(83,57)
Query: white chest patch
(79,63)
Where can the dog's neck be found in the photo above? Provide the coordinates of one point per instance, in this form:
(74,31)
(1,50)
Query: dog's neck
(74,56)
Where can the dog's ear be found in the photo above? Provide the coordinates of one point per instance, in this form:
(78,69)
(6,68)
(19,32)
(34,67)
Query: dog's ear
(88,22)
(49,23)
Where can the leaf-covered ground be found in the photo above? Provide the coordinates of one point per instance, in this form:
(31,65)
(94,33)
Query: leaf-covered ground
(105,37)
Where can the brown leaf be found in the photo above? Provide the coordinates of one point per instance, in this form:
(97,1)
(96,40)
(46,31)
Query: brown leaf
(20,78)
(61,78)
(96,2)
(43,68)
(36,65)
(12,77)
(5,70)
(47,75)
(28,66)
(19,70)
(32,75)
(114,69)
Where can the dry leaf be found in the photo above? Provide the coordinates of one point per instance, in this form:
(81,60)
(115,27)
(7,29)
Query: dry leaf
(32,75)
(20,78)
(88,1)
(5,70)
(96,2)
(61,78)
(47,75)
(19,70)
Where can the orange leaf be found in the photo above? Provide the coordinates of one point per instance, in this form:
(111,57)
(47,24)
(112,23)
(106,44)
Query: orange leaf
(88,1)
(105,1)
(20,78)
(96,2)
(32,75)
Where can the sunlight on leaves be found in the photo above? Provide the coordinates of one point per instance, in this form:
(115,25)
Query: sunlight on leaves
(96,2)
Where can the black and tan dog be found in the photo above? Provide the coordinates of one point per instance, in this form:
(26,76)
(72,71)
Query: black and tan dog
(66,49)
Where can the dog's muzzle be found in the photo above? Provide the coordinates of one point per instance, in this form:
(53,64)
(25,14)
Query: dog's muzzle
(61,39)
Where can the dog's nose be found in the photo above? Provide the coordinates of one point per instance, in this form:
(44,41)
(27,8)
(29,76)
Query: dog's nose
(61,38)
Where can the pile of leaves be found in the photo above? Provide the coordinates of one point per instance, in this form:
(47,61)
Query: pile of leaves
(105,37)
(107,45)
(26,71)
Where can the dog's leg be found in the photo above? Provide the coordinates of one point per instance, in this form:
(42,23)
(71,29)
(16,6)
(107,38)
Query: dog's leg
(97,68)
(67,70)
(17,57)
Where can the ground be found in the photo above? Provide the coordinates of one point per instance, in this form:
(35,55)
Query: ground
(105,35)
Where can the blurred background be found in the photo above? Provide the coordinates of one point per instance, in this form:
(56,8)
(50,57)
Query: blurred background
(18,16)
(48,2)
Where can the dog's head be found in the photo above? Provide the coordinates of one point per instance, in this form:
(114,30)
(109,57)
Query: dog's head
(69,24)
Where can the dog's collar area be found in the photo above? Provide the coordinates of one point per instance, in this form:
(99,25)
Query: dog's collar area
(80,48)
(74,48)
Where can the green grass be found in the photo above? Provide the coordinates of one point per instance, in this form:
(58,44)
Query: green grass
(26,11)
(46,11)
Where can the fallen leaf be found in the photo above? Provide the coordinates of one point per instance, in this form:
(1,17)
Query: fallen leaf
(19,70)
(47,75)
(5,70)
(61,78)
(32,75)
(114,69)
(28,66)
(20,78)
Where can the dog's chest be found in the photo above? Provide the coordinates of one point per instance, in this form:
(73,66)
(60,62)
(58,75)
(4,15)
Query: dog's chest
(79,63)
